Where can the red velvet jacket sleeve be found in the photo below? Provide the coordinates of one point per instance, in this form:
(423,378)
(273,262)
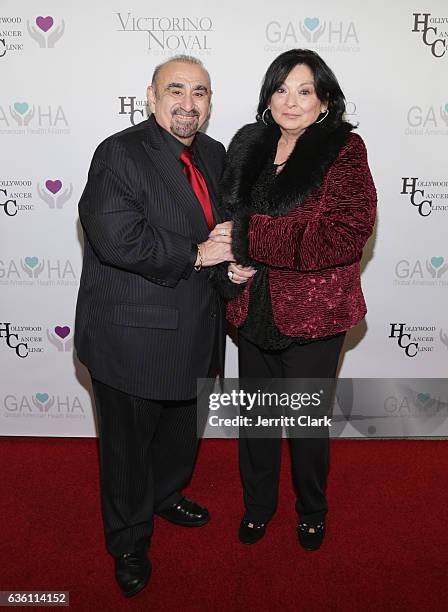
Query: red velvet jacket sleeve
(335,233)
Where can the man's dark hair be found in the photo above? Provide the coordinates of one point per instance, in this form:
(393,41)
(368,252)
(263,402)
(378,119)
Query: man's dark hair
(185,59)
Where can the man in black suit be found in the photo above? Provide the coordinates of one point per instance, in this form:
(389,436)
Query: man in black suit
(148,320)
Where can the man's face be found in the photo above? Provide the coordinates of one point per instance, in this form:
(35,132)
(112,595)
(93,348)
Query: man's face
(180,99)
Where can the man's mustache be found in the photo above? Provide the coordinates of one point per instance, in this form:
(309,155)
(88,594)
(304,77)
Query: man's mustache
(180,111)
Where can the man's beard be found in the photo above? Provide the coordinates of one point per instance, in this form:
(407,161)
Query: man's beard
(185,128)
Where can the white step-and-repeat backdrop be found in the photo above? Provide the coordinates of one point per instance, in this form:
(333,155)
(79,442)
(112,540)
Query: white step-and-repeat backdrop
(74,72)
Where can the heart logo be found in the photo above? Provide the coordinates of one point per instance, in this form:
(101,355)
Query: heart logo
(53,186)
(21,107)
(311,23)
(44,23)
(437,261)
(423,397)
(62,332)
(31,262)
(42,397)
(446,107)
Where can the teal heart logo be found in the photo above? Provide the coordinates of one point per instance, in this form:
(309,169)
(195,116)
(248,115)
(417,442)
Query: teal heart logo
(423,397)
(437,261)
(446,107)
(42,397)
(31,262)
(311,23)
(21,107)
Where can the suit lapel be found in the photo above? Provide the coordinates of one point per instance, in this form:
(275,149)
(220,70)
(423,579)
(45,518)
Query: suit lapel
(171,173)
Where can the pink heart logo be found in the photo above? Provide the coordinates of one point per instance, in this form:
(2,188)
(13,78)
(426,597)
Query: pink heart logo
(53,186)
(62,332)
(44,23)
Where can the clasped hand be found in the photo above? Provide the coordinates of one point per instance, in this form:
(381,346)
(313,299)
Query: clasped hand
(221,236)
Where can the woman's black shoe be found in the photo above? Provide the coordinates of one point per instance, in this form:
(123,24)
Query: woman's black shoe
(251,531)
(311,535)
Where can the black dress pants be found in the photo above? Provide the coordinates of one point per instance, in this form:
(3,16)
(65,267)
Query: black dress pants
(260,458)
(147,453)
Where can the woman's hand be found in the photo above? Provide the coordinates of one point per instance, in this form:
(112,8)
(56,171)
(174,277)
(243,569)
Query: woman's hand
(240,274)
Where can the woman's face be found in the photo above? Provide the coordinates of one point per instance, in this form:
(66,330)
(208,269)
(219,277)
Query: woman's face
(295,105)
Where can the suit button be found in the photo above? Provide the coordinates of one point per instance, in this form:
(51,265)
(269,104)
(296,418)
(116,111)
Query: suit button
(213,315)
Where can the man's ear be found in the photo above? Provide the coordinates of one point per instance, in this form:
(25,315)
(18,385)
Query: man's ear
(151,97)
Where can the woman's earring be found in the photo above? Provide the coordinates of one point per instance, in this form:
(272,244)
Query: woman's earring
(327,112)
(264,113)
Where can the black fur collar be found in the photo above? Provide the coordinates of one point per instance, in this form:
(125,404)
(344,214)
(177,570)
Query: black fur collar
(255,143)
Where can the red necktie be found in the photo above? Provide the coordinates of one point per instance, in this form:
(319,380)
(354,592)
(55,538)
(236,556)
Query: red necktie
(198,185)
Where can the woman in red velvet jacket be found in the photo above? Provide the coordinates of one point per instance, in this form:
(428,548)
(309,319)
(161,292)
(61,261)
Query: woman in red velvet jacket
(299,191)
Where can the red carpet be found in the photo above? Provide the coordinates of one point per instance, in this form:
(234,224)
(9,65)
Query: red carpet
(386,549)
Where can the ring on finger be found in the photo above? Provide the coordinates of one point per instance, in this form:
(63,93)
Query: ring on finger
(230,274)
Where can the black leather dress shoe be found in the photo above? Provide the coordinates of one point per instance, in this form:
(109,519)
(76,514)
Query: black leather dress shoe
(251,531)
(132,571)
(187,513)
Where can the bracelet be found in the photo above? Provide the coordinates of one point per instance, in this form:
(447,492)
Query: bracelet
(199,266)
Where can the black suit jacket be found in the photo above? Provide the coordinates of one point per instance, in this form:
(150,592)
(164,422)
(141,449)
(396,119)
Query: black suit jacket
(146,322)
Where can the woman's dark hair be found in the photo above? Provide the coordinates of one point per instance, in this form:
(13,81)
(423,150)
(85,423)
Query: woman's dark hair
(325,83)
